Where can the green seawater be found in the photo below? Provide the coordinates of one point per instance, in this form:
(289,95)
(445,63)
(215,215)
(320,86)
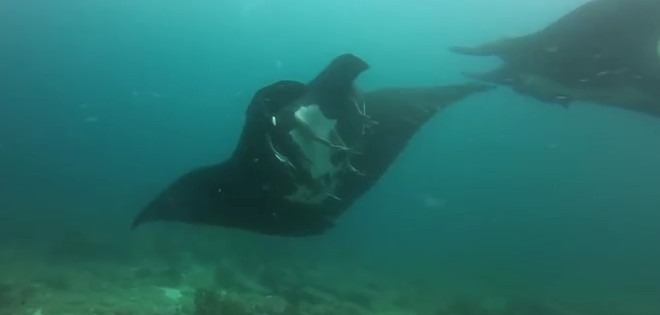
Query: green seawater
(500,205)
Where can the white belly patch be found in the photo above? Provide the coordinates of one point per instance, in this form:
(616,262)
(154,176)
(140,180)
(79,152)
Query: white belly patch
(315,135)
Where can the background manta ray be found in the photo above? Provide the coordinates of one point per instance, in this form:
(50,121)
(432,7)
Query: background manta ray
(306,153)
(605,51)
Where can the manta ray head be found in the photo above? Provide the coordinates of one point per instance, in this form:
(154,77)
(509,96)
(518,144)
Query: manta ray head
(306,135)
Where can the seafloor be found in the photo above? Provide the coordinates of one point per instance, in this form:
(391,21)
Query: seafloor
(205,272)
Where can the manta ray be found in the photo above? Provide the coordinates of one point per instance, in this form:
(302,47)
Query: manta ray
(305,154)
(605,51)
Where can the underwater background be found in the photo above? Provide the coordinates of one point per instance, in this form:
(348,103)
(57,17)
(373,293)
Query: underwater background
(499,205)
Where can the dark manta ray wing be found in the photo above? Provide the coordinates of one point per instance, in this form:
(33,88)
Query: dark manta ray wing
(203,195)
(225,195)
(399,113)
(604,51)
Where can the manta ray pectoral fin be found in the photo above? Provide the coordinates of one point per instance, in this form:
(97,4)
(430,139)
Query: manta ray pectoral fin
(408,108)
(196,197)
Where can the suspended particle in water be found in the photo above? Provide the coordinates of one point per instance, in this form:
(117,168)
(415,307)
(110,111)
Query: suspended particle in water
(432,202)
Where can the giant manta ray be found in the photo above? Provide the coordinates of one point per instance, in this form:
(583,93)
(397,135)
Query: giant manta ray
(605,51)
(306,153)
